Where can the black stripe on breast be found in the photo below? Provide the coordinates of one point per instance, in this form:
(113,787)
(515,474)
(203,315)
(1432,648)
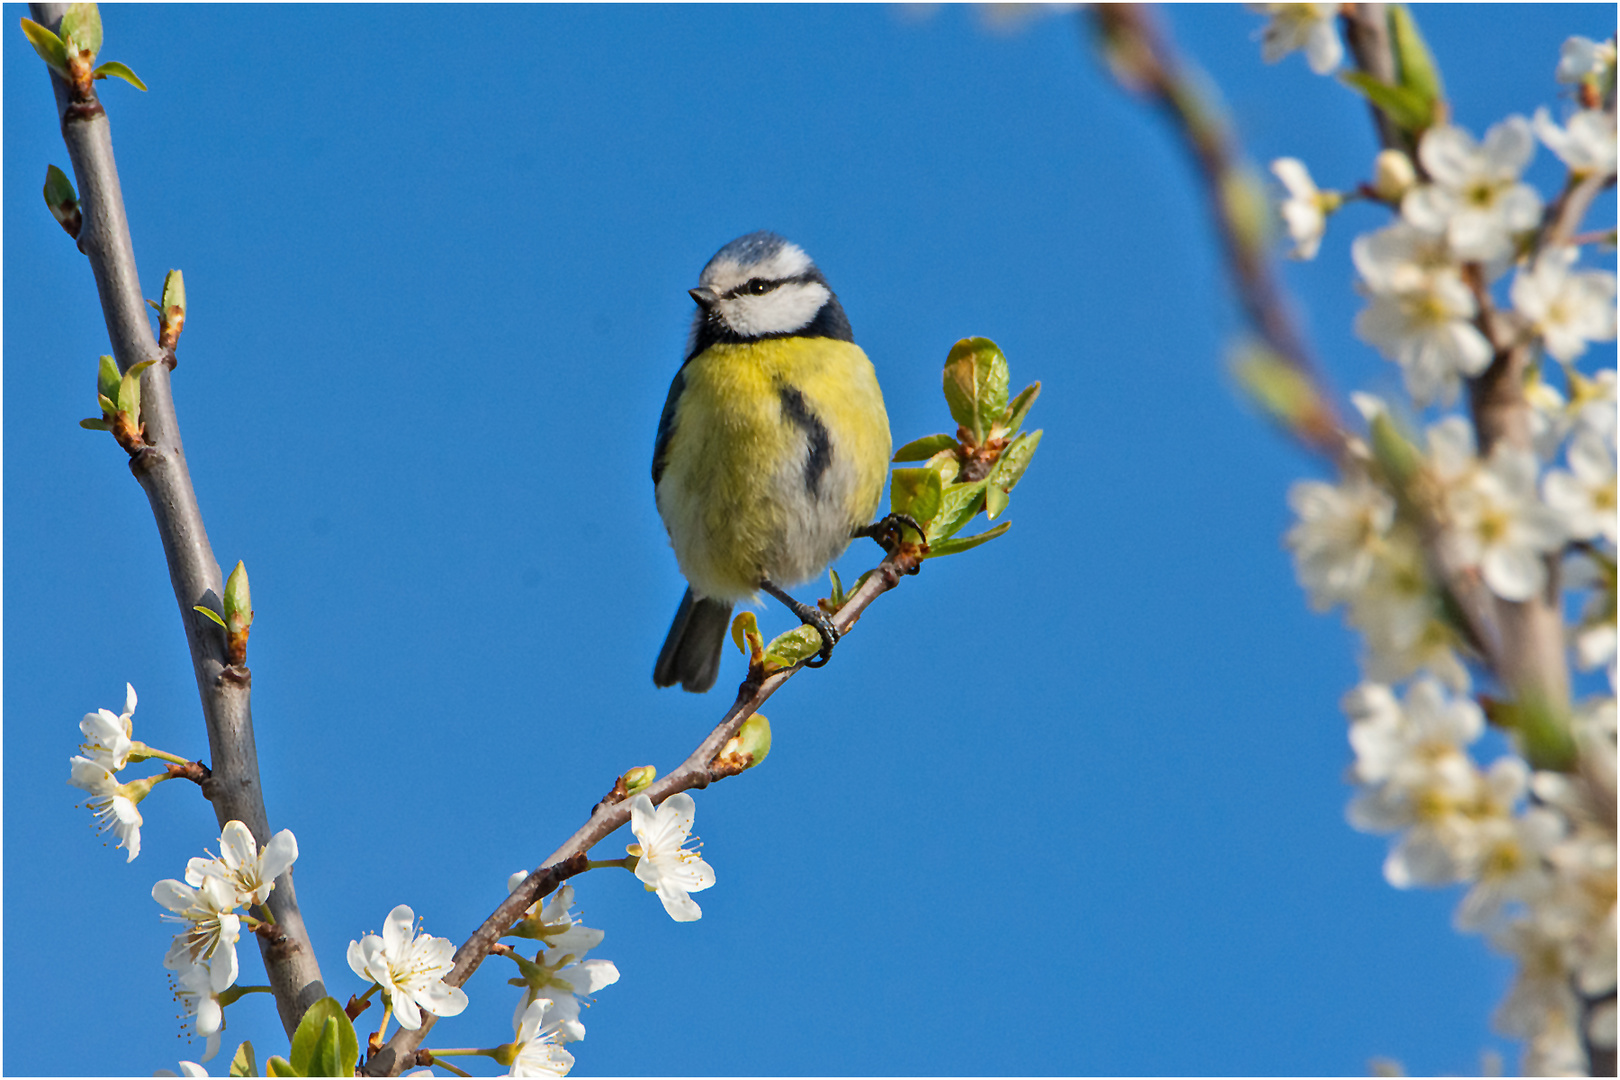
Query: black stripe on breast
(798,413)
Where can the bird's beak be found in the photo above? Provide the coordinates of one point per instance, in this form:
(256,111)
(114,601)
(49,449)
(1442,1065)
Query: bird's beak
(706,297)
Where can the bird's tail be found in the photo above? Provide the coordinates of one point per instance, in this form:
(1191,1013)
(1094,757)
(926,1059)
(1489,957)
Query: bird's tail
(691,652)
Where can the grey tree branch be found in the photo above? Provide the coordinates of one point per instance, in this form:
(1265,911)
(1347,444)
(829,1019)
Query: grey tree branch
(161,470)
(697,771)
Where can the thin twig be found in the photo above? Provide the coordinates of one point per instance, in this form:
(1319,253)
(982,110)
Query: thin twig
(697,771)
(160,467)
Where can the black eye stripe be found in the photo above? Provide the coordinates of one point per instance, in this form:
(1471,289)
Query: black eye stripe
(761,286)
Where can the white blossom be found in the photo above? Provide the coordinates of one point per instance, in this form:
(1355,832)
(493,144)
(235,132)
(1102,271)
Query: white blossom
(203,1010)
(250,872)
(1586,144)
(1510,865)
(664,865)
(187,1068)
(1398,613)
(1429,331)
(107,737)
(1305,210)
(112,803)
(1339,533)
(211,928)
(1582,58)
(1567,308)
(1302,26)
(535,1047)
(1501,526)
(1417,778)
(1585,493)
(553,922)
(1476,199)
(410,970)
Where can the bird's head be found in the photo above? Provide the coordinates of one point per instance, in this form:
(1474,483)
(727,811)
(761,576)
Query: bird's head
(759,285)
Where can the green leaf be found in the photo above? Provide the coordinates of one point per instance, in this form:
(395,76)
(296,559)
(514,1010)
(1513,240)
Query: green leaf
(94,424)
(1010,466)
(174,292)
(1277,386)
(81,28)
(963,543)
(244,1063)
(958,505)
(325,1043)
(1398,457)
(1406,107)
(280,1066)
(109,407)
(838,596)
(129,390)
(1019,408)
(916,492)
(800,643)
(107,379)
(59,194)
(976,385)
(924,448)
(1413,59)
(210,612)
(743,625)
(995,501)
(48,45)
(112,69)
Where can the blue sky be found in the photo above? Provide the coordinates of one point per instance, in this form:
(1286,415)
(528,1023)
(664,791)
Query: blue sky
(1069,803)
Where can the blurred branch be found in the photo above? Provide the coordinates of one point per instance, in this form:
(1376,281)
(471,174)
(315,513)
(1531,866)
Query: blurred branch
(1143,61)
(160,467)
(1366,30)
(699,770)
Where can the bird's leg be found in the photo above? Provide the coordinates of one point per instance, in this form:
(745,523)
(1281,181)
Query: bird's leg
(888,533)
(810,617)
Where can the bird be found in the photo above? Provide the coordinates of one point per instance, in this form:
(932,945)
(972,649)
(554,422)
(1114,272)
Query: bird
(772,448)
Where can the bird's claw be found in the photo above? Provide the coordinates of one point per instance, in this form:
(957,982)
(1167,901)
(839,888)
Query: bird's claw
(829,637)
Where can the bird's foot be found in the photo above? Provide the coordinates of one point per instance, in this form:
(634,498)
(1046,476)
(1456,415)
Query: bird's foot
(809,616)
(890,532)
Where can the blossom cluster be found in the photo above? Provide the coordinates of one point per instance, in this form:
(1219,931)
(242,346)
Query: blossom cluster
(1468,276)
(202,956)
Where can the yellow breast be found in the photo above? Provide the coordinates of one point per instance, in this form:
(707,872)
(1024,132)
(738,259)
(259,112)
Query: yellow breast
(744,492)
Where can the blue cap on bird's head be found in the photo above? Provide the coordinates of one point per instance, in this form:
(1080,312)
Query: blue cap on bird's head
(762,254)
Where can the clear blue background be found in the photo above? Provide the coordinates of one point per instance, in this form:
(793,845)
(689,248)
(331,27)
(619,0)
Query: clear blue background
(1071,803)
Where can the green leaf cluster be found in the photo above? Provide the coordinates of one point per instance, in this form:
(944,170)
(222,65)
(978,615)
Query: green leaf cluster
(72,52)
(119,396)
(977,468)
(324,1045)
(1415,102)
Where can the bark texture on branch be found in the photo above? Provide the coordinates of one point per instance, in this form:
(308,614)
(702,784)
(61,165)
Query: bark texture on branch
(162,472)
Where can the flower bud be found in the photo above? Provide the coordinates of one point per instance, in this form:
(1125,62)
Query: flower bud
(639,779)
(1393,175)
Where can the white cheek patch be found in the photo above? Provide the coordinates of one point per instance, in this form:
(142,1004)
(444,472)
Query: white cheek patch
(783,310)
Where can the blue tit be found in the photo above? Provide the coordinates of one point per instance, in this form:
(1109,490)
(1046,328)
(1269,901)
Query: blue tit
(772,448)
